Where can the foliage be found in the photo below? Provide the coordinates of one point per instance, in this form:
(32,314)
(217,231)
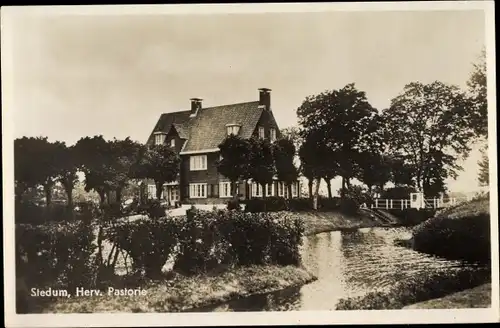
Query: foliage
(399,192)
(56,254)
(261,164)
(234,153)
(148,242)
(160,163)
(356,128)
(419,289)
(29,212)
(479,94)
(67,167)
(375,170)
(233,204)
(354,197)
(451,236)
(428,127)
(484,168)
(270,204)
(36,163)
(283,151)
(153,208)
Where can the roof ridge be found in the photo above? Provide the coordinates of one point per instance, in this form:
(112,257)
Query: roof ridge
(203,108)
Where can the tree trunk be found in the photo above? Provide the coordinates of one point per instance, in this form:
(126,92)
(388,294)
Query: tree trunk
(233,190)
(342,190)
(316,192)
(68,187)
(102,195)
(289,190)
(119,195)
(329,185)
(47,187)
(159,189)
(310,187)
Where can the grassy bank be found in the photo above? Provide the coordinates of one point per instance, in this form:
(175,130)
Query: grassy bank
(478,297)
(180,293)
(419,289)
(460,232)
(317,222)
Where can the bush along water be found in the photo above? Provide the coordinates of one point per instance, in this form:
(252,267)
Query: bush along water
(421,288)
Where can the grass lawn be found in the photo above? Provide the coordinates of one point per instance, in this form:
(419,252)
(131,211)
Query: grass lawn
(478,297)
(179,293)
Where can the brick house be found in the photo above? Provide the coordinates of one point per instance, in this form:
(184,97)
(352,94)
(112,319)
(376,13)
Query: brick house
(196,133)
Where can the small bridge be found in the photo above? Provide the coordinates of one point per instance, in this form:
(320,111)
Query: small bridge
(417,200)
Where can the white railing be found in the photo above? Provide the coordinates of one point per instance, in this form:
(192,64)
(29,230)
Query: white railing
(380,203)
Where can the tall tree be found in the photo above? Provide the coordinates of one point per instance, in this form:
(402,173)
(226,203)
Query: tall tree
(429,124)
(234,152)
(261,164)
(36,163)
(67,168)
(125,154)
(478,93)
(310,165)
(484,169)
(375,170)
(284,153)
(95,159)
(343,120)
(160,163)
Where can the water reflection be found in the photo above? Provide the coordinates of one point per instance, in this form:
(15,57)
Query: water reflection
(347,264)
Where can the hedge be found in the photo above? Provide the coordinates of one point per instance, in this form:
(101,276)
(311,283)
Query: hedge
(278,204)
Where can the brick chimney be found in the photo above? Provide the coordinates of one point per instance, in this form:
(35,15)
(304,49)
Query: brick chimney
(265,98)
(195,106)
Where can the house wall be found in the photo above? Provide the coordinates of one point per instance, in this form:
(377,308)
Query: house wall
(267,121)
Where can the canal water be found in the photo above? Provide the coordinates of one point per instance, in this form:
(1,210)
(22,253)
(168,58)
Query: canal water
(348,264)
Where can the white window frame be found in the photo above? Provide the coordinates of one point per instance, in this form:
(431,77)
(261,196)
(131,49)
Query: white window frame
(198,162)
(262,132)
(225,189)
(197,190)
(159,138)
(151,191)
(270,190)
(295,189)
(172,143)
(281,189)
(256,190)
(273,135)
(233,129)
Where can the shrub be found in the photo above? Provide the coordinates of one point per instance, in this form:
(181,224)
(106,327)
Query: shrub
(400,192)
(56,254)
(154,209)
(270,204)
(201,244)
(233,204)
(422,288)
(299,204)
(31,213)
(412,216)
(328,204)
(453,238)
(149,242)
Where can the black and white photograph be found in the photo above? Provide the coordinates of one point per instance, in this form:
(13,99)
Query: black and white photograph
(216,164)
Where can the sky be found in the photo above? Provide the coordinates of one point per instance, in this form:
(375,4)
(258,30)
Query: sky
(84,75)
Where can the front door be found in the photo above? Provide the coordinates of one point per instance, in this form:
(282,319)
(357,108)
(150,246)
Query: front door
(174,195)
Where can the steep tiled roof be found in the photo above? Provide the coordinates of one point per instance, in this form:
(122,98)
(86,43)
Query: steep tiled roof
(166,120)
(208,128)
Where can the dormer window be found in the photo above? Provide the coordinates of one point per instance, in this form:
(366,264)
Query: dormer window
(159,138)
(172,143)
(233,129)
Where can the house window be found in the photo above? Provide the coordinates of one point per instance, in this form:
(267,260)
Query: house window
(198,163)
(151,191)
(256,190)
(273,135)
(270,190)
(224,189)
(159,139)
(281,189)
(197,190)
(261,132)
(295,189)
(233,129)
(172,143)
